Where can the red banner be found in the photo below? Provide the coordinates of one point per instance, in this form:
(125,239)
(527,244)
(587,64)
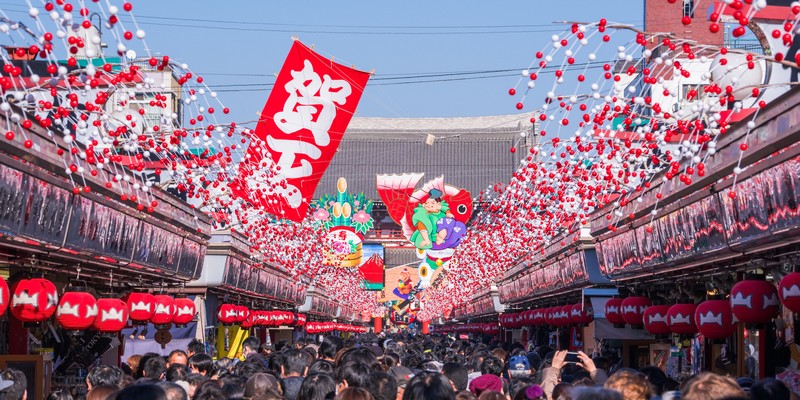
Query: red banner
(300,128)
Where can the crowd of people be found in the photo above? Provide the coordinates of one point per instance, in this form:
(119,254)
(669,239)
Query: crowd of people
(396,367)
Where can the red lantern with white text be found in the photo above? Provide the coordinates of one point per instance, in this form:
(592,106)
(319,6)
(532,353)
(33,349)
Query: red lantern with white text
(538,317)
(754,301)
(112,315)
(76,311)
(655,320)
(714,319)
(581,314)
(633,310)
(185,311)
(789,291)
(34,300)
(140,307)
(164,309)
(613,311)
(4,296)
(680,318)
(242,313)
(226,314)
(564,315)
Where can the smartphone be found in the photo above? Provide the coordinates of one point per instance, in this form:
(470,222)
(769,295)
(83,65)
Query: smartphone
(572,357)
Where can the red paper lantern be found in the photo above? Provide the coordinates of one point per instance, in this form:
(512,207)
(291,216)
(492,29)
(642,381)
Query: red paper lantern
(165,309)
(550,315)
(250,321)
(112,315)
(185,311)
(754,301)
(242,313)
(714,319)
(564,315)
(789,291)
(227,314)
(633,309)
(581,314)
(613,311)
(655,320)
(538,317)
(301,320)
(680,319)
(3,296)
(140,307)
(34,300)
(76,311)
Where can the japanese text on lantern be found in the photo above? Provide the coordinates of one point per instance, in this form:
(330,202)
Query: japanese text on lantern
(311,105)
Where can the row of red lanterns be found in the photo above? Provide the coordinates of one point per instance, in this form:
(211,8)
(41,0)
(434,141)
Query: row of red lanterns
(488,328)
(570,314)
(230,314)
(36,300)
(323,327)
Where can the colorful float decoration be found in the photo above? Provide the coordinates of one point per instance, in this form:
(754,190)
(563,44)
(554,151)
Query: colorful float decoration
(433,217)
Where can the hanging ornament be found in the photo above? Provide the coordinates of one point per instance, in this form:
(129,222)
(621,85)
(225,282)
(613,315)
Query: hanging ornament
(112,315)
(680,318)
(33,300)
(4,296)
(185,310)
(76,311)
(164,310)
(655,320)
(613,311)
(754,301)
(789,291)
(714,319)
(141,307)
(633,310)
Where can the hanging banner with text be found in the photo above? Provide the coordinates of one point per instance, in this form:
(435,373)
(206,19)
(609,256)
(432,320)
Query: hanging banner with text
(298,133)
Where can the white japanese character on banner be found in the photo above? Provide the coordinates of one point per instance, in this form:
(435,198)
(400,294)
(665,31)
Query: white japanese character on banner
(309,96)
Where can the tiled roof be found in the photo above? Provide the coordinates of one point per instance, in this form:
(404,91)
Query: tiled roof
(471,152)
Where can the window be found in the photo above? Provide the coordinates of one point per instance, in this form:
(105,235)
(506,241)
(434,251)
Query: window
(688,8)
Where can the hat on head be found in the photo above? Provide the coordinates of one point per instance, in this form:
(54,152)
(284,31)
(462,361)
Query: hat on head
(486,382)
(4,384)
(519,363)
(401,374)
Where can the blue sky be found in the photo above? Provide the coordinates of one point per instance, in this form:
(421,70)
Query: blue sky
(245,43)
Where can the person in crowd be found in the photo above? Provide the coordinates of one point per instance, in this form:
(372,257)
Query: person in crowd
(382,386)
(293,372)
(352,374)
(13,385)
(320,366)
(195,347)
(142,391)
(173,391)
(596,393)
(317,387)
(201,363)
(457,374)
(153,368)
(177,372)
(769,389)
(260,384)
(710,386)
(486,382)
(177,356)
(429,386)
(103,375)
(59,395)
(519,367)
(329,347)
(491,395)
(195,380)
(133,363)
(632,385)
(102,392)
(354,393)
(250,351)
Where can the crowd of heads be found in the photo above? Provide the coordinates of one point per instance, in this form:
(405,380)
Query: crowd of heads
(397,367)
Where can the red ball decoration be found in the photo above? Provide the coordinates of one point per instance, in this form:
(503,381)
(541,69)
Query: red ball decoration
(112,315)
(564,315)
(76,311)
(301,320)
(165,309)
(3,296)
(140,307)
(789,291)
(633,309)
(754,301)
(655,320)
(581,314)
(250,321)
(714,319)
(680,318)
(550,315)
(34,300)
(227,314)
(613,311)
(185,311)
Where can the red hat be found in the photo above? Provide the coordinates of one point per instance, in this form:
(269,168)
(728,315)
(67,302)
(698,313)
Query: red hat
(484,383)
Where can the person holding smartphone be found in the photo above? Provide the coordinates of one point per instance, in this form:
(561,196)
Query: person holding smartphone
(551,376)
